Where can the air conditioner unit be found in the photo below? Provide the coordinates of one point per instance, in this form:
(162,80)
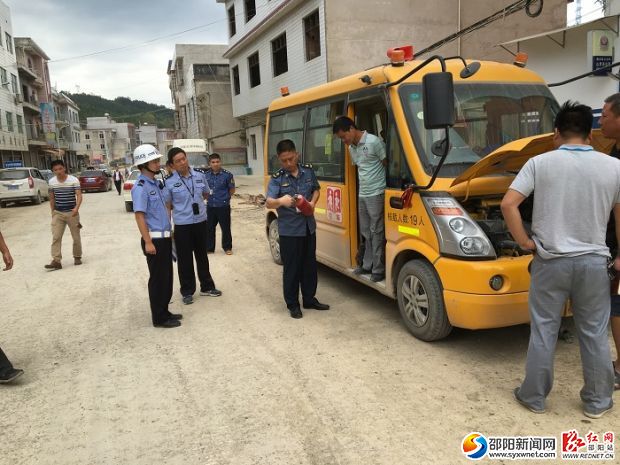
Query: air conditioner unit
(18,99)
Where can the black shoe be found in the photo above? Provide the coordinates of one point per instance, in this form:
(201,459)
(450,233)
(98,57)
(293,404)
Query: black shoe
(359,271)
(211,293)
(296,312)
(170,323)
(317,305)
(376,277)
(188,299)
(176,316)
(10,375)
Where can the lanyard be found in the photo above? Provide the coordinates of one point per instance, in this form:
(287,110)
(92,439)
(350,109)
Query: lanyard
(191,192)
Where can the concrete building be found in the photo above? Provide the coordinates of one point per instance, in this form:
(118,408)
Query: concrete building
(68,131)
(300,44)
(13,142)
(36,94)
(147,134)
(199,80)
(562,53)
(105,141)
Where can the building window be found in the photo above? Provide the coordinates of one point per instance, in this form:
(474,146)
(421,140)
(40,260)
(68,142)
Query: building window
(4,78)
(253,146)
(14,84)
(20,124)
(102,146)
(250,9)
(254,67)
(87,146)
(236,83)
(87,136)
(232,25)
(9,121)
(9,42)
(101,135)
(278,52)
(312,36)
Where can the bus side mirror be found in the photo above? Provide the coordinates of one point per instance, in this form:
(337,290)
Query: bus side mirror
(438,100)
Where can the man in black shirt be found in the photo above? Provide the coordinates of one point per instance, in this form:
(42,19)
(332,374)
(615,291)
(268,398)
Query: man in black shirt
(610,126)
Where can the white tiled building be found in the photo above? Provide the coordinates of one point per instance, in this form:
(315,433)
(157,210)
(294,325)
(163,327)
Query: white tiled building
(303,43)
(13,142)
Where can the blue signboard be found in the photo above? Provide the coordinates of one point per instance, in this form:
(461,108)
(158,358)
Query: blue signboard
(13,164)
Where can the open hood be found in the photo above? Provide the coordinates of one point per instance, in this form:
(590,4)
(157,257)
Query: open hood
(512,156)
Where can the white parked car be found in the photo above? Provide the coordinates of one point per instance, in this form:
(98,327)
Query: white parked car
(128,185)
(22,184)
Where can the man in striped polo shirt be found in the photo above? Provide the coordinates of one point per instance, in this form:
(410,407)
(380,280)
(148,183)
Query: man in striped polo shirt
(65,201)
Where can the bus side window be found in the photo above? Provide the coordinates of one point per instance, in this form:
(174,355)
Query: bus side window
(322,148)
(284,126)
(398,173)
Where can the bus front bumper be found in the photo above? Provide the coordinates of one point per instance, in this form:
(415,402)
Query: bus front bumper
(481,311)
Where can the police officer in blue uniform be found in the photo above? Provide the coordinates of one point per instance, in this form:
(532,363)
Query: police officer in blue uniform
(185,192)
(222,185)
(297,232)
(153,219)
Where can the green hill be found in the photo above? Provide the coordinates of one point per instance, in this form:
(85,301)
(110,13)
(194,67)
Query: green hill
(123,109)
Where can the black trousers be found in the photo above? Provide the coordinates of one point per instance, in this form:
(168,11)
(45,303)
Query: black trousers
(5,364)
(191,242)
(219,215)
(118,186)
(160,279)
(299,259)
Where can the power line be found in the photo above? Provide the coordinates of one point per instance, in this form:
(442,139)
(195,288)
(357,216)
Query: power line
(155,39)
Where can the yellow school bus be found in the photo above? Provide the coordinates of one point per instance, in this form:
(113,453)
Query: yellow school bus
(450,260)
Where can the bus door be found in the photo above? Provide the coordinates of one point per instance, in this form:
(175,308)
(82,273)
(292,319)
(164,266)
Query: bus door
(326,154)
(369,112)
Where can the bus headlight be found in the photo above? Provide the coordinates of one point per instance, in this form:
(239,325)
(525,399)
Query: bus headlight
(473,246)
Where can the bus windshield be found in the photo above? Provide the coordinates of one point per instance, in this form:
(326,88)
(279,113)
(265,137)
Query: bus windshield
(487,117)
(198,159)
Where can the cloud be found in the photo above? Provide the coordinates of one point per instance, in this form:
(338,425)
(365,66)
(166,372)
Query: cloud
(69,28)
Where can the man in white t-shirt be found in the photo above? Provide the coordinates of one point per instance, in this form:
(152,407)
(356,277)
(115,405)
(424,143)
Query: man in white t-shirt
(575,190)
(65,201)
(118,180)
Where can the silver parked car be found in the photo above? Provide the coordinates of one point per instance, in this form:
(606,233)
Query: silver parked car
(22,184)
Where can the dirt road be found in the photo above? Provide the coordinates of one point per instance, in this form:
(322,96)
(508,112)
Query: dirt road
(240,382)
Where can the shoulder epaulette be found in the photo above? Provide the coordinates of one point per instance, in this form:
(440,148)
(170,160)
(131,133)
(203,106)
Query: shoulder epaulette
(200,170)
(168,176)
(141,182)
(278,173)
(307,165)
(226,171)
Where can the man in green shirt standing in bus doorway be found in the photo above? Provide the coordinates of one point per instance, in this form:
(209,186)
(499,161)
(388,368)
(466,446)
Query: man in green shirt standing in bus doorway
(368,154)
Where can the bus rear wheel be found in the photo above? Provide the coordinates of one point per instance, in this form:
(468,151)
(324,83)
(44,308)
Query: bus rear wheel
(274,242)
(420,301)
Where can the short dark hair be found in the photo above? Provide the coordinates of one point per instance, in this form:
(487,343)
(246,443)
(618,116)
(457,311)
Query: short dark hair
(343,123)
(614,100)
(214,156)
(173,152)
(285,145)
(58,162)
(574,119)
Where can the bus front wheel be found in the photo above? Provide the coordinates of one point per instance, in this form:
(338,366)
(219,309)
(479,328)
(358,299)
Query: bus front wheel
(274,242)
(420,301)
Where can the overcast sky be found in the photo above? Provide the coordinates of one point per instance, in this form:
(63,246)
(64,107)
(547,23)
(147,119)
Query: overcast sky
(69,28)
